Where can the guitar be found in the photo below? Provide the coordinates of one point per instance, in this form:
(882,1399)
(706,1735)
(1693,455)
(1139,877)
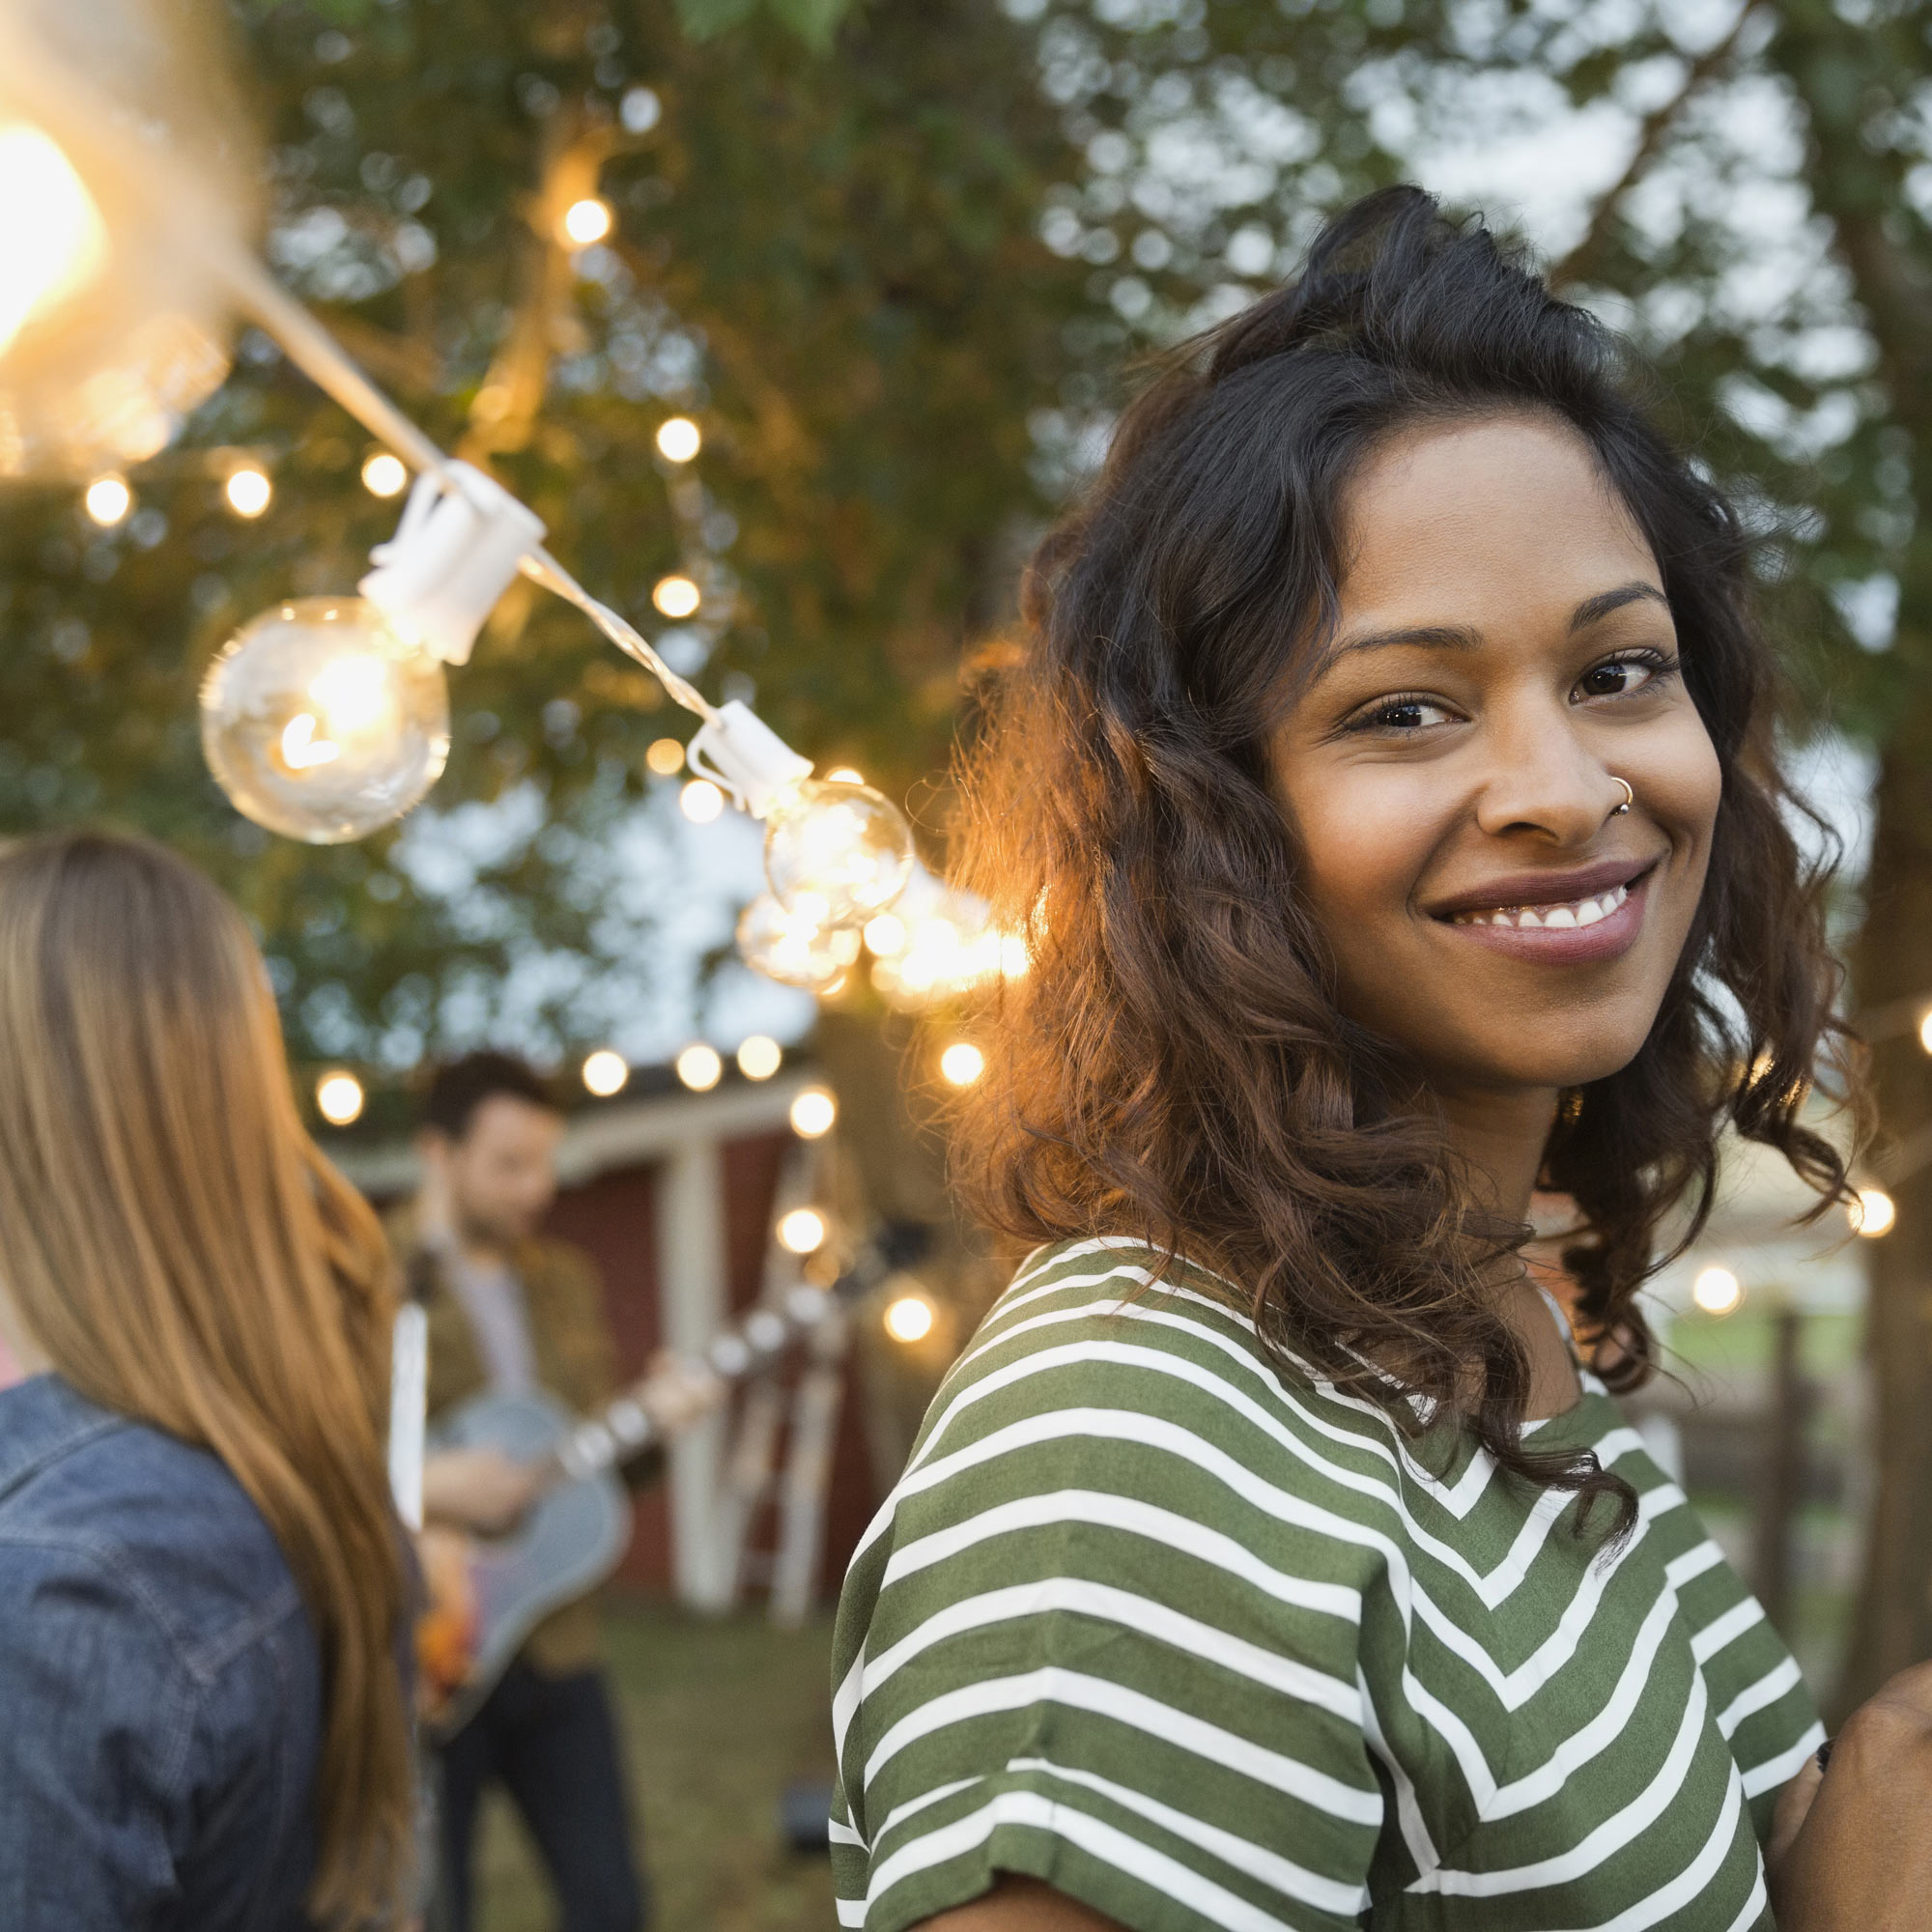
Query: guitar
(484,1596)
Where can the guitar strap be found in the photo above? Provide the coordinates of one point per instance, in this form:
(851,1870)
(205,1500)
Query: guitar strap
(409,1397)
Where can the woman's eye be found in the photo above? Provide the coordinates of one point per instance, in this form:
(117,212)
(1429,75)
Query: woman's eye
(1401,714)
(1619,678)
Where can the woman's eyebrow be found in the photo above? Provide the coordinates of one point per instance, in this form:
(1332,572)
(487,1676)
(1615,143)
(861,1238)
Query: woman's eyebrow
(1422,637)
(1463,637)
(1594,609)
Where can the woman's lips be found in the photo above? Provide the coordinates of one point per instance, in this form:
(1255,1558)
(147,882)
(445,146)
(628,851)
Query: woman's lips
(1596,926)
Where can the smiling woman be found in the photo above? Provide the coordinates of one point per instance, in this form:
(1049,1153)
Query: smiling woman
(1387,799)
(1389,590)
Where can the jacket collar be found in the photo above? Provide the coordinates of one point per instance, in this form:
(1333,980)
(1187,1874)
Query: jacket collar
(41,1419)
(421,1265)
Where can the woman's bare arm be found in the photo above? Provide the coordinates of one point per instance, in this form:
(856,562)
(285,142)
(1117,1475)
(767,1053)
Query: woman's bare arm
(1852,1851)
(1021,1905)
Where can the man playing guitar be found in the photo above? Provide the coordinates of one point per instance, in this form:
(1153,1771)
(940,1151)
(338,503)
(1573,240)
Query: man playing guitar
(514,1313)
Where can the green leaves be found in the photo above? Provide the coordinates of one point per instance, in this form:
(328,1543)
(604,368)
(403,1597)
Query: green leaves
(814,21)
(832,264)
(897,287)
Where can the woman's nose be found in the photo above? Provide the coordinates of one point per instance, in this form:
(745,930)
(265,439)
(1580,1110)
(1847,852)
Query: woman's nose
(1543,779)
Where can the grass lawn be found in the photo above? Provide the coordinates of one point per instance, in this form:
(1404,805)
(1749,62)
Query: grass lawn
(717,1717)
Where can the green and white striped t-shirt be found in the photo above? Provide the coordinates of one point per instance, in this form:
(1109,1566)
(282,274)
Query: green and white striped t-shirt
(1204,1649)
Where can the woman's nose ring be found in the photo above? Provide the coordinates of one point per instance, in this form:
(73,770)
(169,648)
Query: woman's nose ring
(1630,796)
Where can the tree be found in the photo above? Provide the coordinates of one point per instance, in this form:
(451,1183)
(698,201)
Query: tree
(830,259)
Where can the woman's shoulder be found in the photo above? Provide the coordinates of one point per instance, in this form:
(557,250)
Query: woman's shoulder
(1118,1393)
(1120,1562)
(161,1677)
(1108,1322)
(121,1512)
(1113,1277)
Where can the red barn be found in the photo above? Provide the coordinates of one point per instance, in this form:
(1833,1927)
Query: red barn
(676,1195)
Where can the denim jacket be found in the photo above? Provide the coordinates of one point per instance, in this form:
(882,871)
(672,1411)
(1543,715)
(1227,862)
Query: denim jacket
(160,1696)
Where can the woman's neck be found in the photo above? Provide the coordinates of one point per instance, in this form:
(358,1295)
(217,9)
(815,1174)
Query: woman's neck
(1501,1138)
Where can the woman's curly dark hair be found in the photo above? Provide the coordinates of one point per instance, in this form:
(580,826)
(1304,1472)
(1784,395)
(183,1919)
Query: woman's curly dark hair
(1173,1065)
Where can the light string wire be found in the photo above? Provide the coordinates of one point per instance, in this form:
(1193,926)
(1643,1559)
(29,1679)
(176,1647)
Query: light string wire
(313,350)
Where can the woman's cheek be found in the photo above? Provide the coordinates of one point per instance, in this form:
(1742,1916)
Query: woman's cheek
(1682,783)
(1367,843)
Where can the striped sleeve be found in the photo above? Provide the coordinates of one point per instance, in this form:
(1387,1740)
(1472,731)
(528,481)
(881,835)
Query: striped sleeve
(1758,1696)
(1075,1645)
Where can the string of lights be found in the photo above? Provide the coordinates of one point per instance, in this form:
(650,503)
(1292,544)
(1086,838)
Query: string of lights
(837,854)
(325,719)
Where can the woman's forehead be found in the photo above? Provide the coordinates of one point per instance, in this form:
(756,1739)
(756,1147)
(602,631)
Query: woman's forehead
(1510,510)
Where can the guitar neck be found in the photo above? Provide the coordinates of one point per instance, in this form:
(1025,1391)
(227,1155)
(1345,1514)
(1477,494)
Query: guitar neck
(630,1426)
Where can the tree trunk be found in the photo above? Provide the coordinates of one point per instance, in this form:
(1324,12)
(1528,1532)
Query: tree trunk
(1893,1626)
(1850,78)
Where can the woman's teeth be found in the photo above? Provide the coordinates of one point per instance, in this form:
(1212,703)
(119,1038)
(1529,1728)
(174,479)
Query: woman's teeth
(1576,911)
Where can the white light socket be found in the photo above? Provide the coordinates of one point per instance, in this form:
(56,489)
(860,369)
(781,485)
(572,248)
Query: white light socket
(738,750)
(453,556)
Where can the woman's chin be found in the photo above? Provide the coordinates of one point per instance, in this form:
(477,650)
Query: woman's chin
(1555,1065)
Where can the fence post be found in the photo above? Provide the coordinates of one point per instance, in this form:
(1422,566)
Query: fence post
(1783,1484)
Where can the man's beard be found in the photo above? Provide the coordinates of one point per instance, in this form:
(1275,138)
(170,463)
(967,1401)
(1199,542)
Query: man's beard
(484,1230)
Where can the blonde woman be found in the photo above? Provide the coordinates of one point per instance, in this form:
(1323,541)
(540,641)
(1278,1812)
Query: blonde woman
(202,1579)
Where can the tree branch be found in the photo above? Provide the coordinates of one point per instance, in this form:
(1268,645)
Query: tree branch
(1899,305)
(504,410)
(399,360)
(1656,129)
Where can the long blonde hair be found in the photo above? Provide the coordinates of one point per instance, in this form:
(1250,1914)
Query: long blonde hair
(184,1255)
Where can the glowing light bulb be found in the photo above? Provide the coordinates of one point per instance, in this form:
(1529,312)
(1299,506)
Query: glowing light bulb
(605,1072)
(939,943)
(249,490)
(909,1318)
(679,440)
(794,951)
(323,725)
(108,499)
(962,1062)
(838,850)
(699,1067)
(52,239)
(339,1098)
(586,221)
(1717,1290)
(802,1230)
(1872,1213)
(1925,1032)
(664,757)
(846,775)
(385,475)
(759,1056)
(701,801)
(676,596)
(886,935)
(813,1112)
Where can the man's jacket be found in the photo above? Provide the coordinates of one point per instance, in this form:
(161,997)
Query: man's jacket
(574,1361)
